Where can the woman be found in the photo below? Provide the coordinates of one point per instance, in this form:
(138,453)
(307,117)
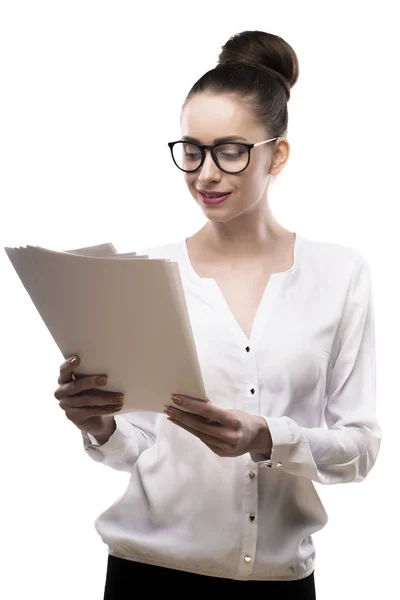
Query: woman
(222,492)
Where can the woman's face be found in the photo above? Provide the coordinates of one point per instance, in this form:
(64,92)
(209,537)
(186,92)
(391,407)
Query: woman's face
(207,117)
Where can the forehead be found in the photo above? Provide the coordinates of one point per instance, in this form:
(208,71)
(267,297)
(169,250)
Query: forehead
(208,116)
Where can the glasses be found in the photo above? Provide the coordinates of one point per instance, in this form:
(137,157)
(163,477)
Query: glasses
(230,157)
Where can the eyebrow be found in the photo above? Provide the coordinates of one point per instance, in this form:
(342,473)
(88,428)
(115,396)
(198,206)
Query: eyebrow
(228,138)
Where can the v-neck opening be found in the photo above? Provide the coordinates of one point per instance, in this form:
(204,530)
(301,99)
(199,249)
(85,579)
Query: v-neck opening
(270,294)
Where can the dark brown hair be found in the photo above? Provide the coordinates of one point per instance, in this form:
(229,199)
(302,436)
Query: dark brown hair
(261,68)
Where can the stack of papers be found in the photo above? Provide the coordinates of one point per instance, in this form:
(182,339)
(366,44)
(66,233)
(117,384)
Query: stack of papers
(124,315)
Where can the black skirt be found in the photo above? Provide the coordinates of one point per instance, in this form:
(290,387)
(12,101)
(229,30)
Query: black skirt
(121,581)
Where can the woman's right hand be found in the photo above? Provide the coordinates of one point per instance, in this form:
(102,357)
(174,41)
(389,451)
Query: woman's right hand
(89,408)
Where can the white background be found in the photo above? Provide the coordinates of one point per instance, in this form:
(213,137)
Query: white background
(91,92)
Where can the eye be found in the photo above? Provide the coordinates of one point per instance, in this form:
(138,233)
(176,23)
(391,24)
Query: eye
(231,151)
(192,155)
(191,152)
(231,155)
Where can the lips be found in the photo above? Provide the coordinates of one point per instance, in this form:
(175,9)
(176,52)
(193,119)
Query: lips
(213,200)
(212,194)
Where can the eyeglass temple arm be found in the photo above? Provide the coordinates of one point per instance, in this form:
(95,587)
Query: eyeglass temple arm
(271,140)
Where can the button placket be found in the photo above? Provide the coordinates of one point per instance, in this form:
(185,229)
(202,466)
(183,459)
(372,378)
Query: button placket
(250,508)
(246,563)
(251,400)
(252,516)
(250,403)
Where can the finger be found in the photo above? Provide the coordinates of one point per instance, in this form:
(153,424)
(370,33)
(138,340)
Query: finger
(80,415)
(218,451)
(80,385)
(206,410)
(91,398)
(207,439)
(197,422)
(66,369)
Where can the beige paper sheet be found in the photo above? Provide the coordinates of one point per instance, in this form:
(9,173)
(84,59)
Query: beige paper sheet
(127,318)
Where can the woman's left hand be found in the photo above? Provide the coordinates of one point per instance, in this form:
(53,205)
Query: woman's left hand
(227,432)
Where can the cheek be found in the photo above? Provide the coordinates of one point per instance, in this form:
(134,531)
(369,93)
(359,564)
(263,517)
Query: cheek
(190,180)
(250,182)
(255,180)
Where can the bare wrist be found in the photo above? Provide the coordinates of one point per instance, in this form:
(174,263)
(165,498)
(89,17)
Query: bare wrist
(263,440)
(104,435)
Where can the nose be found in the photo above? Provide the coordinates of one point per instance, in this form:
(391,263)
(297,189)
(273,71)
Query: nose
(209,170)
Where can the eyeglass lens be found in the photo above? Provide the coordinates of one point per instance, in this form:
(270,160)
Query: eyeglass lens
(232,157)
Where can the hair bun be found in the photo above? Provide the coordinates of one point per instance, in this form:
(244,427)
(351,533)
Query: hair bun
(263,51)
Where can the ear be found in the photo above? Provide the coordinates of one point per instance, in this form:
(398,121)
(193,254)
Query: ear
(280,156)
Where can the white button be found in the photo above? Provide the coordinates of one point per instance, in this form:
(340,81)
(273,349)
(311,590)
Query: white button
(247,558)
(252,474)
(279,464)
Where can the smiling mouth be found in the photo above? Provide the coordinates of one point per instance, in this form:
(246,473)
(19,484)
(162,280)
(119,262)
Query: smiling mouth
(213,199)
(213,194)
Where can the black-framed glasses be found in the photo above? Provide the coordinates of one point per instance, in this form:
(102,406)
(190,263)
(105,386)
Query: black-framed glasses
(230,157)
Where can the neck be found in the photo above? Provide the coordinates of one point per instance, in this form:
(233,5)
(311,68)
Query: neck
(246,237)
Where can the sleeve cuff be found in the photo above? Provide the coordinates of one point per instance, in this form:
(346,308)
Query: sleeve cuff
(92,440)
(115,446)
(282,441)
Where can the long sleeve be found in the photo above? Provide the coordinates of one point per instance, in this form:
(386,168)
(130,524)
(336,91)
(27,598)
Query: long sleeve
(134,433)
(347,450)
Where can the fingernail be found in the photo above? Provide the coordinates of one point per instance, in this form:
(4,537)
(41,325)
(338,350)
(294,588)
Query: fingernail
(101,380)
(74,361)
(169,412)
(176,399)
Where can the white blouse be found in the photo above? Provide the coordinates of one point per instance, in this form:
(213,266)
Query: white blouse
(309,369)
